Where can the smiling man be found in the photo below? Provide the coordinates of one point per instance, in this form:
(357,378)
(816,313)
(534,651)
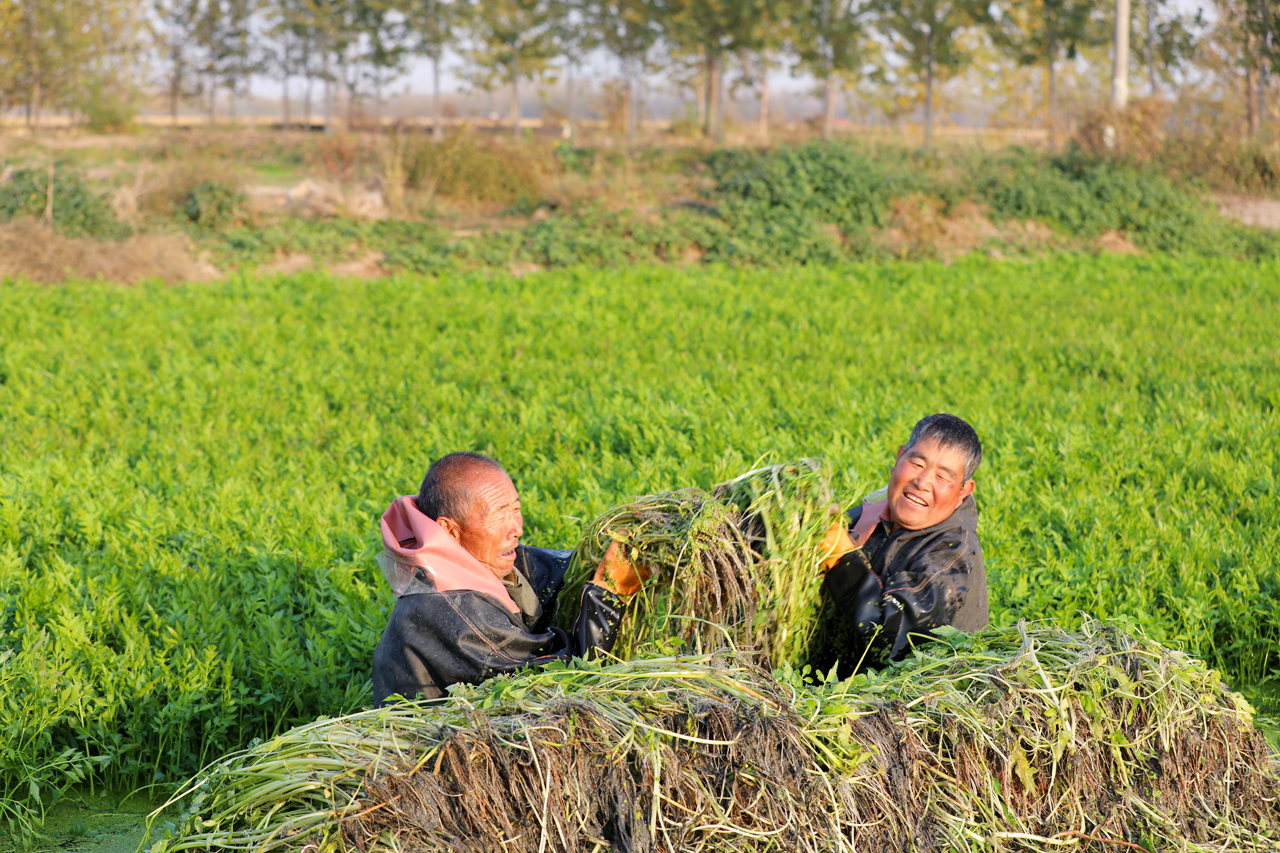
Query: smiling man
(908,560)
(472,601)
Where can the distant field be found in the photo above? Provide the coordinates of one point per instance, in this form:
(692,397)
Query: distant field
(190,477)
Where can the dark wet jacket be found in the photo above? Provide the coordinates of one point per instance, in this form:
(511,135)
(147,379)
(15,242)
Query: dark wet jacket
(896,588)
(434,639)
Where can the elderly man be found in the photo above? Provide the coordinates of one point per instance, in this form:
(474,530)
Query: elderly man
(908,560)
(473,602)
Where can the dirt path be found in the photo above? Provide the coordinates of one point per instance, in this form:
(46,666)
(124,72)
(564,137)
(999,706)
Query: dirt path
(1263,212)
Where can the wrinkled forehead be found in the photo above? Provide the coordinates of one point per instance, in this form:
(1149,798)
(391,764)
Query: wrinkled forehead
(948,456)
(489,489)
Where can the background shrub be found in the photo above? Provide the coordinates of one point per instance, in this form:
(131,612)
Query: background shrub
(214,205)
(461,167)
(77,211)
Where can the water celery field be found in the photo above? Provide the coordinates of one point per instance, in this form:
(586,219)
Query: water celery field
(190,478)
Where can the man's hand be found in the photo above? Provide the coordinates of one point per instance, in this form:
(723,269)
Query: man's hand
(618,574)
(835,542)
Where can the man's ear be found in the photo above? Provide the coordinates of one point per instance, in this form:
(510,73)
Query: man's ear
(901,448)
(967,489)
(454,529)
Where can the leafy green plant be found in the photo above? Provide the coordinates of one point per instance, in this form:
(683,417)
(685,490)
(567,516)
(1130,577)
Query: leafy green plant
(191,477)
(574,159)
(214,205)
(109,105)
(77,211)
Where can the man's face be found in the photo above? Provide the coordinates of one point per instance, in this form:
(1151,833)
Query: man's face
(493,529)
(926,484)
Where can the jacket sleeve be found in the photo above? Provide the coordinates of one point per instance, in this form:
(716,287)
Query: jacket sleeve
(438,639)
(545,568)
(923,591)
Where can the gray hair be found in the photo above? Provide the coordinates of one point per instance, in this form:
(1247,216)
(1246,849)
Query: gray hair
(952,432)
(441,494)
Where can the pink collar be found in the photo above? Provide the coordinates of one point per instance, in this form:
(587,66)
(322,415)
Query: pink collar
(872,514)
(417,548)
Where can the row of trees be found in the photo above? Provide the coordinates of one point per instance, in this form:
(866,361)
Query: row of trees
(63,52)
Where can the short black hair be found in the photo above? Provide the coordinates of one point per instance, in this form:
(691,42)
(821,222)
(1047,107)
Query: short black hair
(442,494)
(950,431)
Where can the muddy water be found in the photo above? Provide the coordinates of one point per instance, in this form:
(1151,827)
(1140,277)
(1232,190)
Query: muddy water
(97,822)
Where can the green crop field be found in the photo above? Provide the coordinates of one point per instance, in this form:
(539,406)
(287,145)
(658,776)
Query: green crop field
(190,477)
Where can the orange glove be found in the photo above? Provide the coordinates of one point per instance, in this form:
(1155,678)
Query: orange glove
(835,542)
(618,574)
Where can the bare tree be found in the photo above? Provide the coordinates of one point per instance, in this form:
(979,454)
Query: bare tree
(432,25)
(511,40)
(923,36)
(1043,31)
(714,30)
(629,29)
(830,40)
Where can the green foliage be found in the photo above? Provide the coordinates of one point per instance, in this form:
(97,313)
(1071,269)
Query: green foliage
(609,238)
(109,106)
(830,183)
(818,202)
(328,241)
(214,205)
(574,159)
(190,477)
(813,204)
(77,211)
(1085,196)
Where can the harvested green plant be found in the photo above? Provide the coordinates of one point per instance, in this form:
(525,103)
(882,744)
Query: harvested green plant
(701,588)
(1023,738)
(740,566)
(786,509)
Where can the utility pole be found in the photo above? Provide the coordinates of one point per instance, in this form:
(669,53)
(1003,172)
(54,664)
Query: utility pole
(1120,67)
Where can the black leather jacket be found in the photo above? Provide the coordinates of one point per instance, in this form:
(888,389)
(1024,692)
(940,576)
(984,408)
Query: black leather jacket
(900,585)
(434,639)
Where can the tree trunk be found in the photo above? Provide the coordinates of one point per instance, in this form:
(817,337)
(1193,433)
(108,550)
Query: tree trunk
(175,85)
(48,195)
(928,92)
(632,107)
(284,99)
(515,101)
(437,127)
(1053,103)
(568,109)
(764,106)
(351,100)
(328,94)
(306,103)
(1250,88)
(328,105)
(715,96)
(327,70)
(1264,56)
(1151,46)
(828,107)
(1120,63)
(700,95)
(33,103)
